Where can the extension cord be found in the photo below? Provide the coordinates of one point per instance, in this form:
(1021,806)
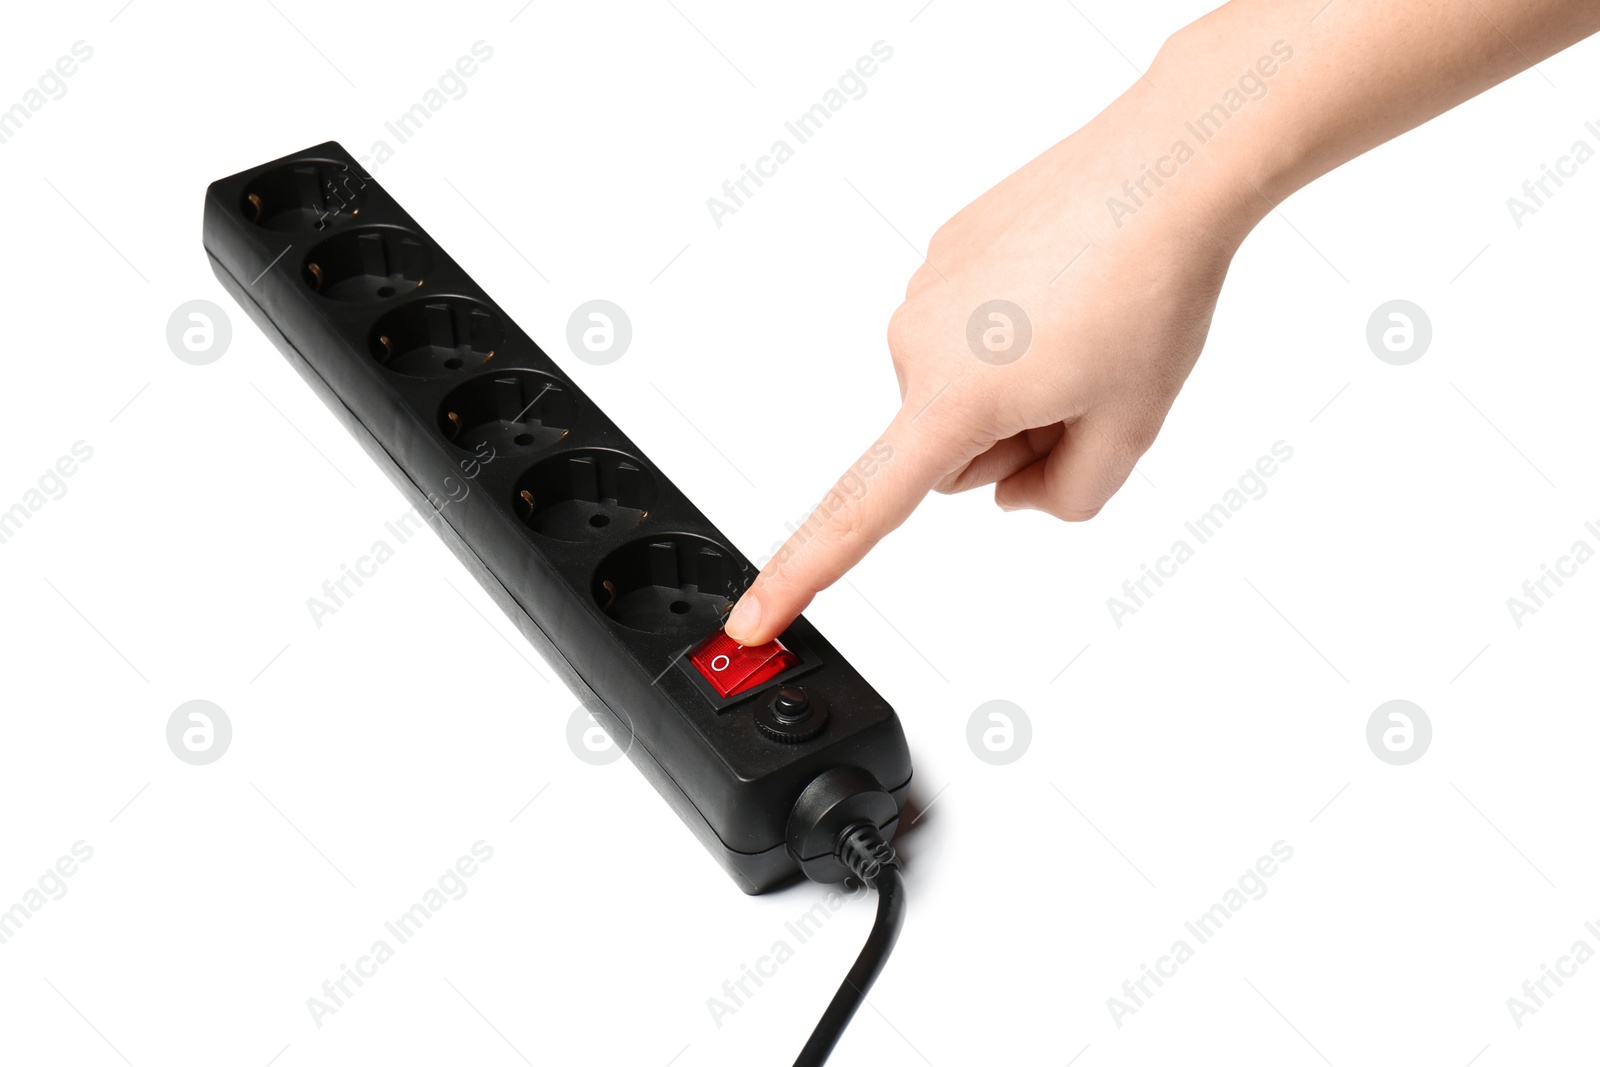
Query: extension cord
(781,759)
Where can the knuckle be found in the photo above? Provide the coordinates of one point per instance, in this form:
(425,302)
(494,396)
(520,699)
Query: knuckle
(957,481)
(899,334)
(901,365)
(942,239)
(844,525)
(1069,510)
(1140,434)
(1066,506)
(1076,511)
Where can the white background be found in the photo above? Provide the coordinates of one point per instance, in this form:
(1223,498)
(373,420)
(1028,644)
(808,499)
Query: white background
(368,754)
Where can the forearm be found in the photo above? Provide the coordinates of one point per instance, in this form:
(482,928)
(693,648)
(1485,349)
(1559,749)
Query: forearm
(1319,89)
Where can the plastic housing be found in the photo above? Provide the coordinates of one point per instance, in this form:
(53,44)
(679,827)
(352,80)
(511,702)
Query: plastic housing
(610,572)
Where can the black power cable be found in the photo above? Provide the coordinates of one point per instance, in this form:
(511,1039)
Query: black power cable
(872,861)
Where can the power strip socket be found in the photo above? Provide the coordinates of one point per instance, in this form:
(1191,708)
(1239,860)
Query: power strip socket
(603,564)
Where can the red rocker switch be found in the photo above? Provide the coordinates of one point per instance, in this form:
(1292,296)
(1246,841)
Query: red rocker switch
(731,668)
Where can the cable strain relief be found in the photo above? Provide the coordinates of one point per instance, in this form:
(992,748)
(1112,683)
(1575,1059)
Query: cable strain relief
(833,804)
(864,853)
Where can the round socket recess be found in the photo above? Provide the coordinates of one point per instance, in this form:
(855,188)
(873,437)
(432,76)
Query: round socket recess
(367,264)
(435,336)
(512,411)
(584,494)
(674,584)
(308,194)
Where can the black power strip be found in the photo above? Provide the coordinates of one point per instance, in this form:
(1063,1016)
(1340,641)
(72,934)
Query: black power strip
(781,759)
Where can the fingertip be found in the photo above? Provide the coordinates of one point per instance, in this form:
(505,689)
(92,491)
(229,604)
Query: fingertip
(744,621)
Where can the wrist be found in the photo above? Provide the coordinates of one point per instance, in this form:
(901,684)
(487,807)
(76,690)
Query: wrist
(1216,122)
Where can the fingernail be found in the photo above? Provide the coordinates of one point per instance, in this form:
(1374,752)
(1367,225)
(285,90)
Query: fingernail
(745,617)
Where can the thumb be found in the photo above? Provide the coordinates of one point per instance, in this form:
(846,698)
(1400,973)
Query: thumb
(872,497)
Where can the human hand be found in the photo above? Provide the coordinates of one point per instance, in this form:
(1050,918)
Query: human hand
(1110,250)
(1053,399)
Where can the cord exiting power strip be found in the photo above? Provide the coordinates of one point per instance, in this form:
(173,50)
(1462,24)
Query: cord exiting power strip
(839,829)
(872,861)
(781,758)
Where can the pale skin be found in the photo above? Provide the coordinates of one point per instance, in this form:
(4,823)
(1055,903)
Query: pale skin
(1120,302)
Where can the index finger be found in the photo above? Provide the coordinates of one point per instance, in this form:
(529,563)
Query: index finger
(875,495)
